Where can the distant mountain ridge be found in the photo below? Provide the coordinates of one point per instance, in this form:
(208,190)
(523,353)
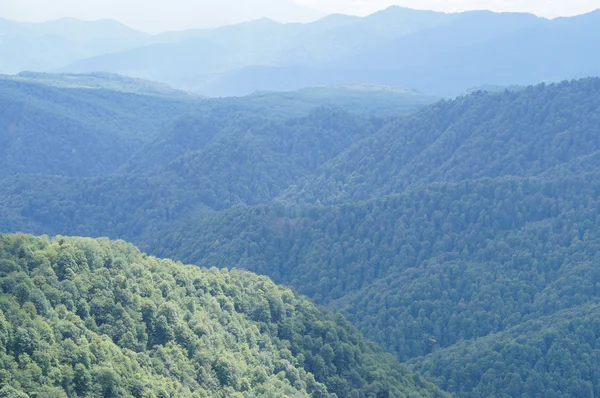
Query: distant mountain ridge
(100,80)
(84,125)
(89,130)
(46,46)
(436,53)
(387,48)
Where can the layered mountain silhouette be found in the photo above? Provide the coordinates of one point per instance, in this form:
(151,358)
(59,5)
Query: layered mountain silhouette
(437,53)
(46,46)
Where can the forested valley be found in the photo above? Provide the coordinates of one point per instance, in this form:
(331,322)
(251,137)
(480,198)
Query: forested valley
(459,235)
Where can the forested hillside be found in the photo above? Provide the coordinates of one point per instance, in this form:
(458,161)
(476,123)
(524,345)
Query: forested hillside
(550,356)
(491,230)
(462,238)
(482,135)
(90,125)
(363,99)
(101,80)
(82,317)
(209,161)
(77,132)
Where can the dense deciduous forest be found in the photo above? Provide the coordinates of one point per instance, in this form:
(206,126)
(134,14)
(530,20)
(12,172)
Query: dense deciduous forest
(421,272)
(210,160)
(462,238)
(91,125)
(521,133)
(83,317)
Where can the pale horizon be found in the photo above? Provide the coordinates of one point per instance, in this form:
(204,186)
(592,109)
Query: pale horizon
(185,14)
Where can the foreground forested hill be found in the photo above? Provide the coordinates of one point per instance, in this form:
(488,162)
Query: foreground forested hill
(463,238)
(83,317)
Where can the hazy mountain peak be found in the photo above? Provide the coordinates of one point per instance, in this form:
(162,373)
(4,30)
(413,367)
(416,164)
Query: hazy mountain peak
(481,13)
(264,22)
(337,18)
(400,10)
(585,16)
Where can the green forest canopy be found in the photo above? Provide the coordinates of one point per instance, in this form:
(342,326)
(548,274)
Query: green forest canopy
(82,317)
(464,235)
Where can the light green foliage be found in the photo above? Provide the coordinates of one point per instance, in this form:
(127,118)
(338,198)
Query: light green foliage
(83,317)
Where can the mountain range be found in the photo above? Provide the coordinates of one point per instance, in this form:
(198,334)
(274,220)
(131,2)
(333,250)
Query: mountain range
(43,47)
(459,235)
(436,53)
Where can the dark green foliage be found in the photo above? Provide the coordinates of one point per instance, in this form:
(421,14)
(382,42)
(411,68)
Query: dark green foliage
(433,263)
(554,356)
(83,317)
(207,162)
(508,242)
(522,133)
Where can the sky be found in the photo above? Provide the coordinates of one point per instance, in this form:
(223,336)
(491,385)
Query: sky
(155,16)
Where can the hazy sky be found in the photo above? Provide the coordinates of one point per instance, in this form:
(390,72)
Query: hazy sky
(161,15)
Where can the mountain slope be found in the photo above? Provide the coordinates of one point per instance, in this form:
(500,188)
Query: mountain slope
(463,50)
(526,358)
(204,163)
(172,63)
(88,317)
(196,60)
(521,133)
(89,125)
(77,132)
(441,236)
(48,45)
(366,100)
(427,269)
(100,80)
(470,247)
